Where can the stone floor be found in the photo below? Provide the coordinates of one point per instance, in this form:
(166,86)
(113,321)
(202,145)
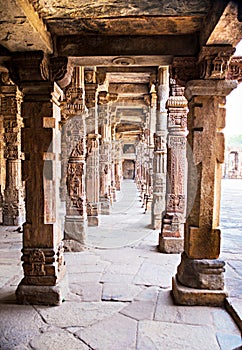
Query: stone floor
(119,295)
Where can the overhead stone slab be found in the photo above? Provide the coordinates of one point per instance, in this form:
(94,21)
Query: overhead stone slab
(99,9)
(22,29)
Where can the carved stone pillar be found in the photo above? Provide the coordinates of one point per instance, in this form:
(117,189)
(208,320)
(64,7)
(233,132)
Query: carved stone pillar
(118,164)
(93,176)
(159,162)
(2,166)
(105,154)
(43,261)
(199,279)
(13,208)
(171,239)
(74,113)
(92,179)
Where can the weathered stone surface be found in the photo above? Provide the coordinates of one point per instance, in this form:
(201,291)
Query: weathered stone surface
(120,292)
(88,291)
(13,331)
(224,322)
(74,312)
(229,341)
(163,335)
(46,295)
(191,296)
(116,278)
(171,245)
(38,39)
(166,311)
(85,258)
(201,273)
(76,278)
(154,274)
(115,333)
(140,310)
(58,339)
(234,306)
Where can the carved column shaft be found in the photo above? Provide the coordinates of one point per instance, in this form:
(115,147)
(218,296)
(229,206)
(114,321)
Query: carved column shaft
(105,159)
(74,113)
(199,279)
(172,230)
(160,152)
(2,166)
(42,238)
(92,179)
(43,261)
(13,209)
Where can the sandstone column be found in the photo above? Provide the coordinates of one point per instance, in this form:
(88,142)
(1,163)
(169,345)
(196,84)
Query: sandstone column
(159,162)
(74,113)
(92,179)
(43,261)
(171,238)
(92,163)
(199,279)
(13,208)
(2,165)
(105,153)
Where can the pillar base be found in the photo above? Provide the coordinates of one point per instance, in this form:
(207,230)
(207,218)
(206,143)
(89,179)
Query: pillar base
(11,220)
(183,295)
(105,208)
(75,233)
(156,223)
(171,245)
(42,295)
(93,220)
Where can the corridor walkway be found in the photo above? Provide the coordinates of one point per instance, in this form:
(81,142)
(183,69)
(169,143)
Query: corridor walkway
(119,294)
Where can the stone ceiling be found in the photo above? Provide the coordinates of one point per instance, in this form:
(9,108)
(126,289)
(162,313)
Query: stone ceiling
(130,39)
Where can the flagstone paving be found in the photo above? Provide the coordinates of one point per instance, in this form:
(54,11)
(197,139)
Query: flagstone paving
(119,293)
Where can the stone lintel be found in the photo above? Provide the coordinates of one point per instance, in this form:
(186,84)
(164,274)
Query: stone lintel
(190,296)
(209,88)
(171,245)
(42,295)
(99,45)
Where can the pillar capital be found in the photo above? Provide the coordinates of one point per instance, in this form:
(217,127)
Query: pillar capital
(209,88)
(28,70)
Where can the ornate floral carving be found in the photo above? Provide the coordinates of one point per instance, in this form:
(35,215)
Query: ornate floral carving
(235,69)
(214,61)
(177,142)
(175,202)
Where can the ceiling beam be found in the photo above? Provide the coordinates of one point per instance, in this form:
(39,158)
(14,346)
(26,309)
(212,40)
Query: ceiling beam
(221,26)
(126,45)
